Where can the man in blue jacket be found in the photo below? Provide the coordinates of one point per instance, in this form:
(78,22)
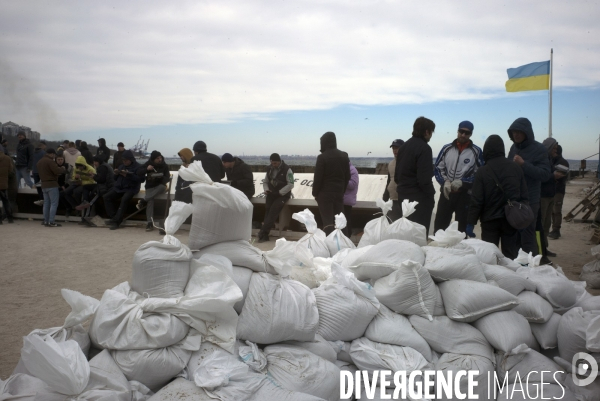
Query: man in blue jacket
(532,156)
(127,184)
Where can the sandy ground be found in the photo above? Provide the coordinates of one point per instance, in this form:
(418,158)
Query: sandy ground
(37,262)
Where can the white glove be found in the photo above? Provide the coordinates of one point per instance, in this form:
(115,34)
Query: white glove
(447,189)
(456,184)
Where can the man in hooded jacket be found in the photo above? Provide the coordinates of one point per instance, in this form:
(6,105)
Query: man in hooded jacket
(548,192)
(561,186)
(127,184)
(488,200)
(532,157)
(157,175)
(211,163)
(239,174)
(103,151)
(332,174)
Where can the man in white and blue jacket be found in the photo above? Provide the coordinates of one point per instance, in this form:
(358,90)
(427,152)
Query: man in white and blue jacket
(455,169)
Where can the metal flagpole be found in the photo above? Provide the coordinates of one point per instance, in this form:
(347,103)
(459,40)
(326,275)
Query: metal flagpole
(550,103)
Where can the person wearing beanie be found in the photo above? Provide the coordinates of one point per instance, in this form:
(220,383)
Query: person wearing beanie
(211,163)
(127,184)
(488,200)
(49,173)
(390,188)
(455,169)
(239,174)
(332,174)
(532,157)
(157,175)
(561,186)
(103,151)
(6,169)
(118,156)
(278,184)
(183,192)
(414,169)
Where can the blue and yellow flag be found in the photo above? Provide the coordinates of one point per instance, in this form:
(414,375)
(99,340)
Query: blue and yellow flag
(529,77)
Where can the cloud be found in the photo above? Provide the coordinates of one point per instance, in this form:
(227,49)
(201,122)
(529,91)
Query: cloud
(115,64)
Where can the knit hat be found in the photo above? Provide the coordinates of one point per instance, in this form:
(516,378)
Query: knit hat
(128,154)
(121,144)
(227,157)
(275,157)
(397,142)
(466,125)
(199,146)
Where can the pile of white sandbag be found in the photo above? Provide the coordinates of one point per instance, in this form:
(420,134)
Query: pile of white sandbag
(228,321)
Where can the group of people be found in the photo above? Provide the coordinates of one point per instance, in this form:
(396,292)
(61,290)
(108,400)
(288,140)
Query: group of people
(479,185)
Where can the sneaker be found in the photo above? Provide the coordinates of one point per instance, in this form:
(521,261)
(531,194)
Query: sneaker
(141,204)
(551,254)
(545,261)
(554,234)
(84,205)
(53,225)
(39,202)
(149,227)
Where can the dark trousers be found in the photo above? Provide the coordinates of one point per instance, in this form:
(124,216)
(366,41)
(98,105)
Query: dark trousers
(110,200)
(396,211)
(458,204)
(423,211)
(5,204)
(499,231)
(528,240)
(348,213)
(273,206)
(75,194)
(330,204)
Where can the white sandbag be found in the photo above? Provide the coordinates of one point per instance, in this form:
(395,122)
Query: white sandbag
(375,229)
(241,276)
(161,269)
(581,294)
(551,285)
(336,241)
(392,328)
(369,355)
(590,273)
(455,362)
(343,350)
(486,251)
(408,290)
(319,346)
(453,263)
(507,279)
(22,387)
(521,391)
(591,392)
(445,335)
(533,307)
(589,303)
(439,309)
(297,369)
(312,272)
(156,367)
(277,309)
(572,332)
(221,212)
(384,258)
(546,333)
(509,263)
(467,301)
(524,362)
(346,306)
(405,229)
(447,238)
(181,389)
(315,240)
(506,330)
(592,335)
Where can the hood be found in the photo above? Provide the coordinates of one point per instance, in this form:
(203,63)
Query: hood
(200,146)
(559,151)
(154,155)
(549,144)
(328,141)
(237,160)
(81,160)
(187,154)
(102,143)
(493,148)
(128,154)
(524,125)
(71,151)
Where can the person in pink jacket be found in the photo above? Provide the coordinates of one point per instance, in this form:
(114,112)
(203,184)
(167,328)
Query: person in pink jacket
(350,199)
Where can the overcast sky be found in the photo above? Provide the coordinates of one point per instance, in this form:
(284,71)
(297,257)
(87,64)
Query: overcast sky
(255,77)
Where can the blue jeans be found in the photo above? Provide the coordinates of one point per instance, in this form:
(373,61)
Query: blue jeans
(51,196)
(23,173)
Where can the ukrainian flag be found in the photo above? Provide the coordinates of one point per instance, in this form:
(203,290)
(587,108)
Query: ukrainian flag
(529,77)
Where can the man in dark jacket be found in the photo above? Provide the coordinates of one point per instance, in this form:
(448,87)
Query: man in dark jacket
(49,173)
(390,186)
(332,173)
(6,168)
(211,163)
(561,186)
(118,156)
(414,171)
(127,184)
(488,200)
(532,157)
(38,153)
(547,195)
(86,153)
(103,151)
(157,175)
(239,174)
(24,162)
(278,184)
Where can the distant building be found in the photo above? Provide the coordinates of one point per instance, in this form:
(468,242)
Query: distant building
(12,129)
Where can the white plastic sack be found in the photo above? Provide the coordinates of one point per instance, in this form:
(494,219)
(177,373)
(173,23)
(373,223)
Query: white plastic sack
(589,303)
(590,273)
(319,346)
(527,363)
(161,269)
(507,279)
(221,212)
(346,306)
(454,363)
(447,238)
(312,273)
(277,309)
(392,328)
(375,229)
(369,355)
(591,392)
(551,285)
(485,251)
(533,307)
(382,259)
(405,229)
(444,335)
(241,276)
(509,263)
(315,240)
(343,350)
(467,301)
(336,241)
(453,263)
(297,369)
(506,330)
(572,332)
(546,333)
(408,290)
